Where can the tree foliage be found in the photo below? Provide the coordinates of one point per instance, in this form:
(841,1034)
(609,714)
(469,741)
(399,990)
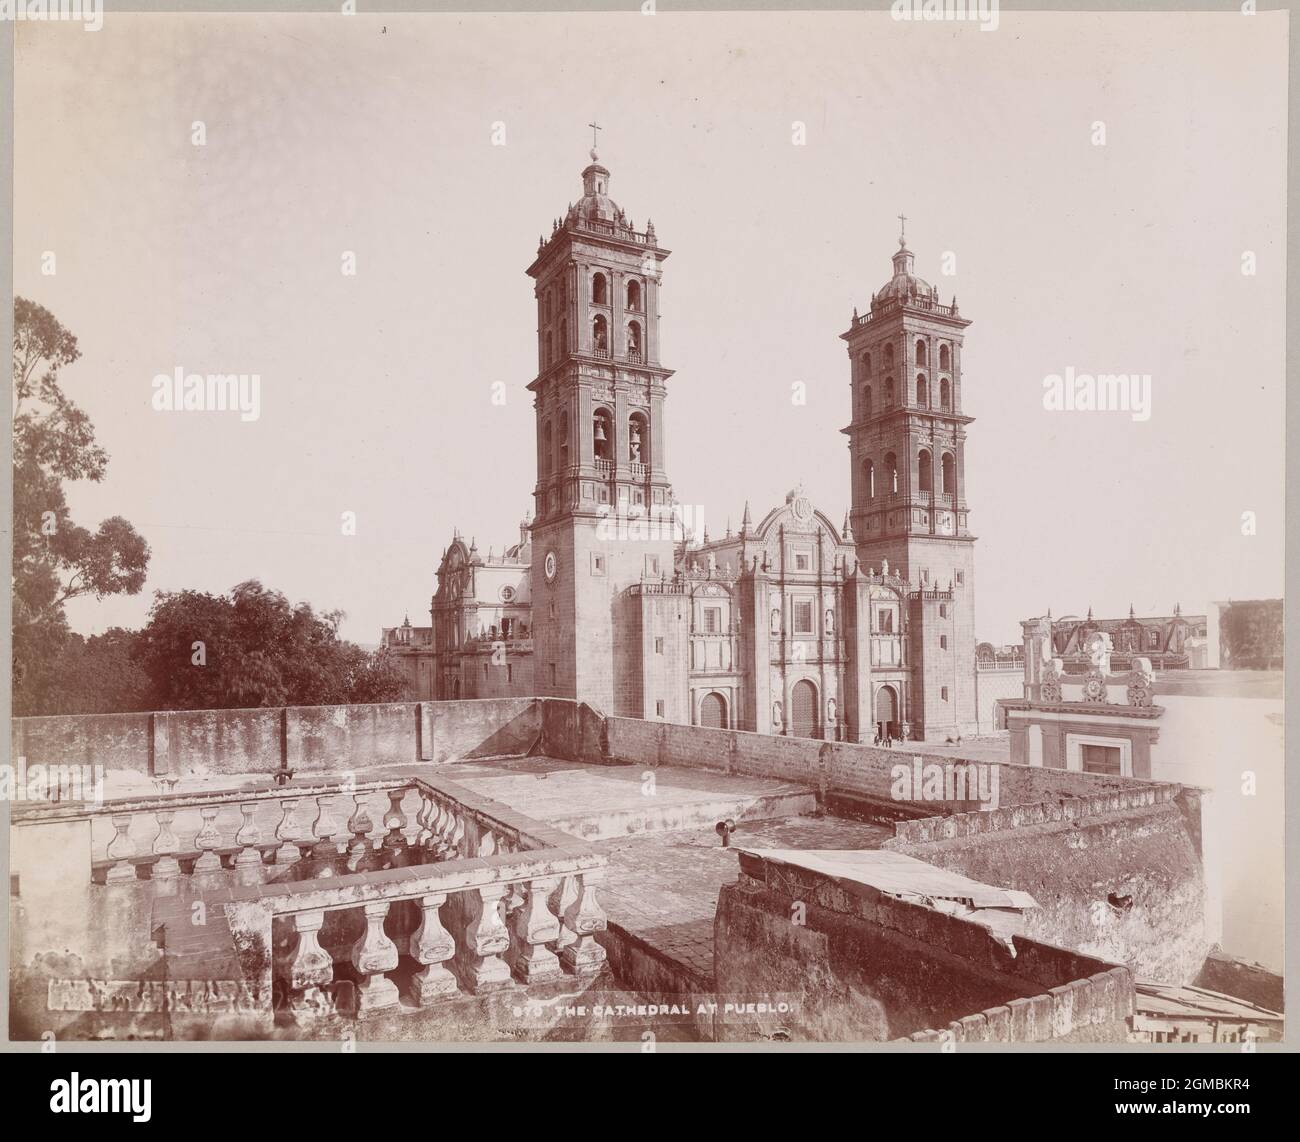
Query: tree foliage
(253,648)
(54,558)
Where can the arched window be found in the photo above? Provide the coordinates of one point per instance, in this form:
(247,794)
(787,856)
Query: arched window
(600,335)
(922,392)
(599,290)
(891,471)
(546,448)
(550,347)
(949,474)
(945,394)
(564,337)
(634,296)
(638,439)
(920,351)
(546,306)
(925,470)
(866,400)
(602,434)
(869,478)
(889,391)
(866,364)
(564,442)
(634,340)
(889,357)
(944,357)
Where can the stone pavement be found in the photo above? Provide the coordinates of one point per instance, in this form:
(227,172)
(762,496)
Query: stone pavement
(662,888)
(593,802)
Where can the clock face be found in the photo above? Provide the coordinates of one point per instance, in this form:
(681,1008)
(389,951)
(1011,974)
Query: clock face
(507,594)
(550,566)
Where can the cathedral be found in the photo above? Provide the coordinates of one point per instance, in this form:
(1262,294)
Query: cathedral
(789,624)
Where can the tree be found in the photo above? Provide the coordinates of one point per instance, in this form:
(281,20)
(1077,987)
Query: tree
(95,675)
(253,648)
(55,559)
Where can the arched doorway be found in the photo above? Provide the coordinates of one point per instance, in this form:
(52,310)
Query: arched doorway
(713,711)
(804,722)
(887,712)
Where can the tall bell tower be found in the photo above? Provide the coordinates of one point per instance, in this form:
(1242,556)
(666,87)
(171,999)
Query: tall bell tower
(907,444)
(602,497)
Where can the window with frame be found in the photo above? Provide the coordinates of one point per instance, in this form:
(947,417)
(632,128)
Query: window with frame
(943,692)
(803,617)
(943,642)
(802,561)
(659,646)
(659,708)
(712,620)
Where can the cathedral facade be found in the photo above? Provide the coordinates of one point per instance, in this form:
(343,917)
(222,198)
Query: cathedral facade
(788,625)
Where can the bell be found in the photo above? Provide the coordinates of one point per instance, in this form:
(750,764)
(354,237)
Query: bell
(600,431)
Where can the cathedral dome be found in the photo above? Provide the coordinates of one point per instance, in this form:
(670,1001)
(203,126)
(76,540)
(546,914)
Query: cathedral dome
(905,285)
(595,210)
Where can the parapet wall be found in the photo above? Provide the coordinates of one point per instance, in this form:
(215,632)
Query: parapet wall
(305,739)
(862,965)
(845,767)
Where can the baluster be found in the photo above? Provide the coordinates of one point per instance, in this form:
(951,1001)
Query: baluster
(249,855)
(372,955)
(456,841)
(442,831)
(119,849)
(311,967)
(486,937)
(431,945)
(565,897)
(535,927)
(359,825)
(207,840)
(165,847)
(584,956)
(487,844)
(324,828)
(288,852)
(425,835)
(395,820)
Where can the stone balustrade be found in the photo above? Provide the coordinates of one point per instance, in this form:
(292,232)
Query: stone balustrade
(527,918)
(272,832)
(355,886)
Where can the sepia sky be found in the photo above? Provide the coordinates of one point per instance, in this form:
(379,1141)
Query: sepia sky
(327,134)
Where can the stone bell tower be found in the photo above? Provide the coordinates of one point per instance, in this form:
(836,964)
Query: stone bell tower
(603,499)
(907,448)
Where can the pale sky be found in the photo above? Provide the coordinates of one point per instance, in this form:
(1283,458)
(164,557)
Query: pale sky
(327,134)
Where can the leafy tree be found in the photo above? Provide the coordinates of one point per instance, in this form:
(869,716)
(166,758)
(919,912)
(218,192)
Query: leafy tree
(95,675)
(55,559)
(253,648)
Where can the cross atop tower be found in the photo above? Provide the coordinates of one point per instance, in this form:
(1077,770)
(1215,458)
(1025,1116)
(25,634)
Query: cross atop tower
(902,227)
(594,128)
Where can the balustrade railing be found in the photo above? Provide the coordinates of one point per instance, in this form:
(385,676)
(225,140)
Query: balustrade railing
(351,877)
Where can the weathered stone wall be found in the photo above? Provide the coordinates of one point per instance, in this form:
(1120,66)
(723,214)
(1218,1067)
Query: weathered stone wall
(1125,885)
(306,739)
(841,766)
(864,966)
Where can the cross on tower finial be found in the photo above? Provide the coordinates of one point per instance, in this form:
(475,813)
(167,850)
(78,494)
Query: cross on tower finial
(902,222)
(594,128)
